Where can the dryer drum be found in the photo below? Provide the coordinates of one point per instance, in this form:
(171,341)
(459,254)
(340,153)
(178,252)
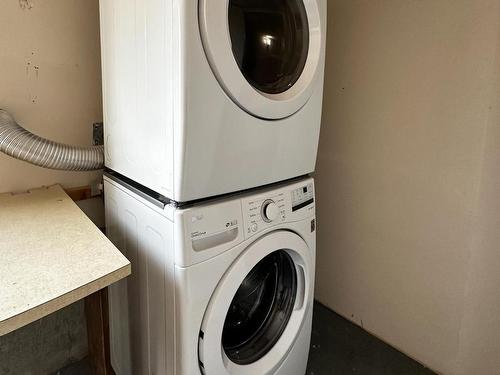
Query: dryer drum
(270,42)
(260,309)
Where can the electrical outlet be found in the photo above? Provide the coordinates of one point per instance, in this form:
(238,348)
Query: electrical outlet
(98,134)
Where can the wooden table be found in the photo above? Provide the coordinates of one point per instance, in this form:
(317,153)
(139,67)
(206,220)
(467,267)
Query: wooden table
(52,255)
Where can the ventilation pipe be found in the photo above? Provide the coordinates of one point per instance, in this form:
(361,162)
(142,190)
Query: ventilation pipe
(21,144)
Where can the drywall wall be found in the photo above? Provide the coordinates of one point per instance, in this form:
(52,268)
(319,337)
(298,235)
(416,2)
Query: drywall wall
(480,331)
(405,177)
(49,80)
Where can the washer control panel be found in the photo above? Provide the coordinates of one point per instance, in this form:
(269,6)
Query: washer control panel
(210,228)
(277,206)
(264,211)
(302,197)
(270,211)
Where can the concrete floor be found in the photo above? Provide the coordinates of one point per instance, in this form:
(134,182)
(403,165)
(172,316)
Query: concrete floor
(79,368)
(338,347)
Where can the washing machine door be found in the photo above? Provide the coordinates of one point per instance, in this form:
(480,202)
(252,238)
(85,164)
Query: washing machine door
(264,53)
(258,308)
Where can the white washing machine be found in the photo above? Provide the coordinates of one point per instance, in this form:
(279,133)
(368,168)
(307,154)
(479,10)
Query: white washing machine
(206,97)
(225,287)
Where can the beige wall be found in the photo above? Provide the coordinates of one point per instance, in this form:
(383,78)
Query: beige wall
(406,177)
(49,80)
(480,331)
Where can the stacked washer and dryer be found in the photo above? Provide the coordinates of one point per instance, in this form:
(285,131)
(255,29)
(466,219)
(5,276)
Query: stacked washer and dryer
(212,114)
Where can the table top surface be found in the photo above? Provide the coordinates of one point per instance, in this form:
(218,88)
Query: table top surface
(51,255)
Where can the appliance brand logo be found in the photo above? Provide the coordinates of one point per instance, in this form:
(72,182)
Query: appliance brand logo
(198,234)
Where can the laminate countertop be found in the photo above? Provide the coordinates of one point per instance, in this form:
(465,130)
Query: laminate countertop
(51,255)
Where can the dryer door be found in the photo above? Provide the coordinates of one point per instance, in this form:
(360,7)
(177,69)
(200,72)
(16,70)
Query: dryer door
(265,53)
(258,308)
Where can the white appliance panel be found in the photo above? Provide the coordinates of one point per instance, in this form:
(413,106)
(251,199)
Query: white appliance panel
(169,124)
(156,315)
(139,86)
(141,306)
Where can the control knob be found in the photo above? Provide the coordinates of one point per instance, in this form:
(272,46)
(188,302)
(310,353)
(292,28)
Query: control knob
(270,211)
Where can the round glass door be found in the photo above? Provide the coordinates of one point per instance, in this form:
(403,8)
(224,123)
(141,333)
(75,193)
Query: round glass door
(261,309)
(265,54)
(270,41)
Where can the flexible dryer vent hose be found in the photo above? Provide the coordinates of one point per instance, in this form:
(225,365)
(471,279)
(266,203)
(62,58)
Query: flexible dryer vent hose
(19,143)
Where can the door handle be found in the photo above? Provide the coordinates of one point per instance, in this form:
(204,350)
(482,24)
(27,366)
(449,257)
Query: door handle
(301,287)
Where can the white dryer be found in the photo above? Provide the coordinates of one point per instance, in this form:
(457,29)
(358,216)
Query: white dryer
(225,287)
(206,97)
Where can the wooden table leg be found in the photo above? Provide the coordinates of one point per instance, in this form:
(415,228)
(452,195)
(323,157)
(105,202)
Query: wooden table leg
(96,311)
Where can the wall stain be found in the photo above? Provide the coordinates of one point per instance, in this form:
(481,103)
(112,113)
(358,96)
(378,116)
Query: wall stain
(25,4)
(30,66)
(32,70)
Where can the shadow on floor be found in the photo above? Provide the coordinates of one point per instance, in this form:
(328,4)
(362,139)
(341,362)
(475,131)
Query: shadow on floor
(339,347)
(78,368)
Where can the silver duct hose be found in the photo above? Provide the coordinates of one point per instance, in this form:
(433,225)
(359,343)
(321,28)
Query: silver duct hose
(19,143)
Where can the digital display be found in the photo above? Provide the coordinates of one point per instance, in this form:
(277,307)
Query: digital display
(302,197)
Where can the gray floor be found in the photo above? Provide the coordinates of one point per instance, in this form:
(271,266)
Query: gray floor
(338,347)
(79,368)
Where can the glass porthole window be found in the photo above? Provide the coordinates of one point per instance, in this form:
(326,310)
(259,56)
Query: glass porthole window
(270,42)
(260,309)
